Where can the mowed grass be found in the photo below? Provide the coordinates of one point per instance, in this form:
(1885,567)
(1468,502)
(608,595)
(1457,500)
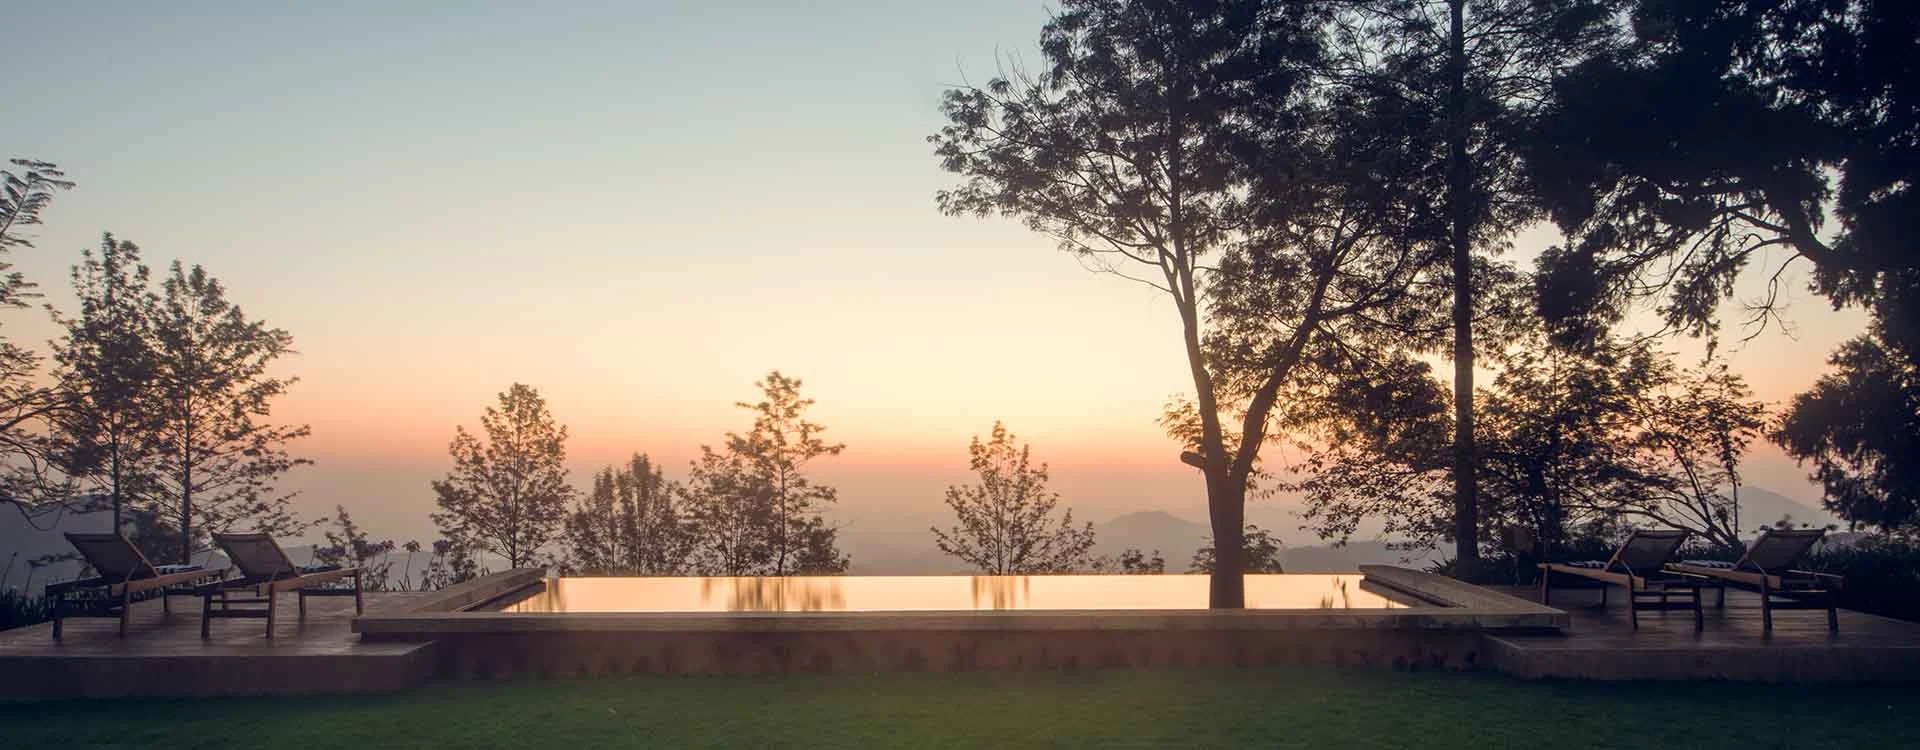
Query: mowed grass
(1305,708)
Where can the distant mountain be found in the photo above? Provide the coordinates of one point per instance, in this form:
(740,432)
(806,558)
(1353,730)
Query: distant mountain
(1760,506)
(1176,538)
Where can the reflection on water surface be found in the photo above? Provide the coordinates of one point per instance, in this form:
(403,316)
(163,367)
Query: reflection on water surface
(942,593)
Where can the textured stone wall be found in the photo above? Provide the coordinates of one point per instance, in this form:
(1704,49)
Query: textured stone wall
(570,654)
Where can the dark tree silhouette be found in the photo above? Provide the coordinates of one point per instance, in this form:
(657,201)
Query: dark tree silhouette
(508,494)
(1134,562)
(1857,427)
(755,509)
(1473,70)
(629,524)
(1723,140)
(1175,145)
(1005,524)
(217,458)
(109,419)
(1612,435)
(349,546)
(1263,553)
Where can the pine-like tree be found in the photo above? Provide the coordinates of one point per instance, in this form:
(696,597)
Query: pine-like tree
(629,524)
(507,495)
(110,414)
(218,459)
(1005,524)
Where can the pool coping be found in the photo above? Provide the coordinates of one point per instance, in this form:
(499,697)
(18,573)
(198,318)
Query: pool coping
(1461,607)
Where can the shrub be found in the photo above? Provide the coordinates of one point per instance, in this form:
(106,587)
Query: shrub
(1883,575)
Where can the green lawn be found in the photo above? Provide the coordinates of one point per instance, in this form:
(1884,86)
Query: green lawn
(1253,708)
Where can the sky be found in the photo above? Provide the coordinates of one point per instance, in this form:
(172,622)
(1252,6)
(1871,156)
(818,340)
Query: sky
(637,209)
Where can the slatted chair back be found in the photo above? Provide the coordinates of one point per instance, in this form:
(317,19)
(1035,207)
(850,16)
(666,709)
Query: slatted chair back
(1646,551)
(256,555)
(112,556)
(1778,549)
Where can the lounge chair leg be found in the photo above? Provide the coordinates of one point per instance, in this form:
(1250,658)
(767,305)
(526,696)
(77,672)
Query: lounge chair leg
(1833,616)
(1699,617)
(302,594)
(270,610)
(1633,605)
(206,617)
(1723,597)
(1766,608)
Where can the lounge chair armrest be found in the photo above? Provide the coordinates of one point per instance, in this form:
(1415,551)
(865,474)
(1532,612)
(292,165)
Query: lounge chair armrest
(1834,580)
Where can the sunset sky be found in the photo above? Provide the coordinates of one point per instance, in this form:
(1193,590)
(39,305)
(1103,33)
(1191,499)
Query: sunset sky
(637,211)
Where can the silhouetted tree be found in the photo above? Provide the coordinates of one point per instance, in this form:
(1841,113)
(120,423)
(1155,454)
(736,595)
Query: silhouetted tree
(217,459)
(777,450)
(30,479)
(1857,427)
(1722,142)
(1263,553)
(507,495)
(1006,523)
(629,525)
(756,511)
(1179,141)
(1472,71)
(1612,435)
(1135,562)
(107,365)
(25,191)
(349,546)
(451,563)
(731,515)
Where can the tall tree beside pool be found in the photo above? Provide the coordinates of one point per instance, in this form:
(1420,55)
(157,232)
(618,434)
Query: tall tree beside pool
(630,524)
(1005,524)
(507,494)
(756,511)
(108,416)
(218,458)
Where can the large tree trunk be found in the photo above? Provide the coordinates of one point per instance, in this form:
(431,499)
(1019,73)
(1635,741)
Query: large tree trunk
(1459,185)
(1226,587)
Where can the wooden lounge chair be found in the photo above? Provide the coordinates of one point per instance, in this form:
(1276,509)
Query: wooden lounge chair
(1767,569)
(265,570)
(122,577)
(1639,565)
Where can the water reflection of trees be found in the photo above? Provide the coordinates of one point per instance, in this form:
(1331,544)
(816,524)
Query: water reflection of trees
(768,594)
(1000,592)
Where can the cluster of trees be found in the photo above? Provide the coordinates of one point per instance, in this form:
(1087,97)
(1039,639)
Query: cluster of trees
(747,508)
(1323,192)
(157,405)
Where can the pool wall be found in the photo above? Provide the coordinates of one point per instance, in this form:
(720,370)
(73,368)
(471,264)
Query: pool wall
(490,644)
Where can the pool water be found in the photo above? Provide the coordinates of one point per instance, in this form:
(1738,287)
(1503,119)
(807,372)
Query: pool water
(944,593)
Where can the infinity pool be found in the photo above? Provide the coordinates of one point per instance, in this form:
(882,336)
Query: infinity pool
(942,594)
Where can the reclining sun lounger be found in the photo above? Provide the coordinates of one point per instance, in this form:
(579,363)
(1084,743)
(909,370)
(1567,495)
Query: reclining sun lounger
(265,570)
(1639,565)
(1767,569)
(122,576)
